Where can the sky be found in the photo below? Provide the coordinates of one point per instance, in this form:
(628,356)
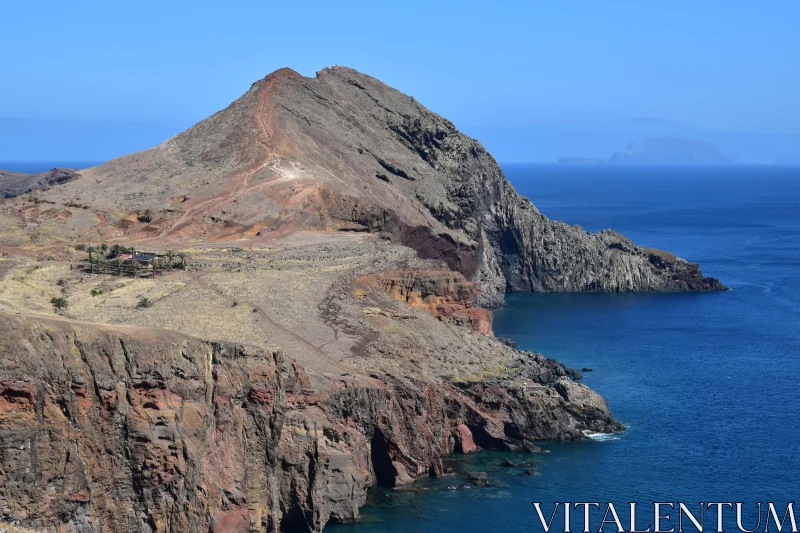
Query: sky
(532,80)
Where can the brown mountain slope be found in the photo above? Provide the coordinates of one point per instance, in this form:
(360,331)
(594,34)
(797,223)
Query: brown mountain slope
(345,151)
(16,183)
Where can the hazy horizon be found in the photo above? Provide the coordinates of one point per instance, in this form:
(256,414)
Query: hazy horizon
(532,82)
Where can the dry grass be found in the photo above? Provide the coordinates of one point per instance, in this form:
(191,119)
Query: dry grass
(273,297)
(10,528)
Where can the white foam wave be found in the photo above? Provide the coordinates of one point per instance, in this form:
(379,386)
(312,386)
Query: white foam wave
(594,435)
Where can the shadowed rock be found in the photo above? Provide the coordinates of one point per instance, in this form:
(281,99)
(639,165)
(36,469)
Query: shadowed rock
(15,183)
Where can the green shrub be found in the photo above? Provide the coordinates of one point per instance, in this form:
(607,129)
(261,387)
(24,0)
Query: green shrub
(144,302)
(59,302)
(97,292)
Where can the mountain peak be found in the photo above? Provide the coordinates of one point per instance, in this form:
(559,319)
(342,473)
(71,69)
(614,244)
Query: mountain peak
(281,74)
(344,151)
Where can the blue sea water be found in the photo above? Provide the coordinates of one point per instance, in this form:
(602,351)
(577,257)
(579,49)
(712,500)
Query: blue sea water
(707,384)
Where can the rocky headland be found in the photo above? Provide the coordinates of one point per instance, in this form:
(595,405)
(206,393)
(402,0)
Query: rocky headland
(17,183)
(329,332)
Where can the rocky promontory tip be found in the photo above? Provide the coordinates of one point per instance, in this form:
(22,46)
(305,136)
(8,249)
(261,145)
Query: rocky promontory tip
(344,151)
(327,330)
(16,183)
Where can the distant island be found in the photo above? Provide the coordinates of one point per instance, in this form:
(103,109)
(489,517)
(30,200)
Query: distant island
(581,161)
(670,151)
(667,151)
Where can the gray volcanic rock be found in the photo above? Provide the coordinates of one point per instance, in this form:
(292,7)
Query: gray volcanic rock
(343,150)
(15,183)
(671,151)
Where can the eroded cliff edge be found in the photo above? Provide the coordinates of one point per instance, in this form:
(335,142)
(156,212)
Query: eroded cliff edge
(126,429)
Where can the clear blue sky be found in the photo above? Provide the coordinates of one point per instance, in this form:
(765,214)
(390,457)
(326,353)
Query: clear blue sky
(91,80)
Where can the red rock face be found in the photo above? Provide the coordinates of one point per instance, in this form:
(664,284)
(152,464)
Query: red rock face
(466,443)
(444,293)
(125,429)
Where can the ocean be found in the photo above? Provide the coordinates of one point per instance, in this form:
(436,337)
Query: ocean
(706,383)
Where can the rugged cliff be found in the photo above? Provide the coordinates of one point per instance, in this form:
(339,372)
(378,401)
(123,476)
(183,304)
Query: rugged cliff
(344,244)
(127,429)
(345,151)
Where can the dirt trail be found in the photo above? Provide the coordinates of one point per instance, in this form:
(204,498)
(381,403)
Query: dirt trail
(239,181)
(103,325)
(314,360)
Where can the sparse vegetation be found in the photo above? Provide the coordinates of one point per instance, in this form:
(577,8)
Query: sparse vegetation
(97,292)
(92,250)
(158,264)
(118,262)
(104,259)
(170,258)
(145,216)
(118,249)
(144,302)
(59,302)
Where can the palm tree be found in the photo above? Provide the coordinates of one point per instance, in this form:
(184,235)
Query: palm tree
(156,263)
(170,257)
(182,257)
(135,268)
(91,250)
(118,262)
(102,263)
(104,249)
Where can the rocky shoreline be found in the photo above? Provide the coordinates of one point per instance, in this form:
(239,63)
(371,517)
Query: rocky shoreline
(330,333)
(108,428)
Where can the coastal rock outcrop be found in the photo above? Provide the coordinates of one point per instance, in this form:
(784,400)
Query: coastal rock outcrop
(444,293)
(344,151)
(16,183)
(370,238)
(126,429)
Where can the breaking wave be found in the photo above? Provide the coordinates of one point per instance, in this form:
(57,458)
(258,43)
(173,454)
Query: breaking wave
(594,435)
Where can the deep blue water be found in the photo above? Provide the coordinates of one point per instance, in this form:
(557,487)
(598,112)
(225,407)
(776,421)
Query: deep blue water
(44,166)
(706,383)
